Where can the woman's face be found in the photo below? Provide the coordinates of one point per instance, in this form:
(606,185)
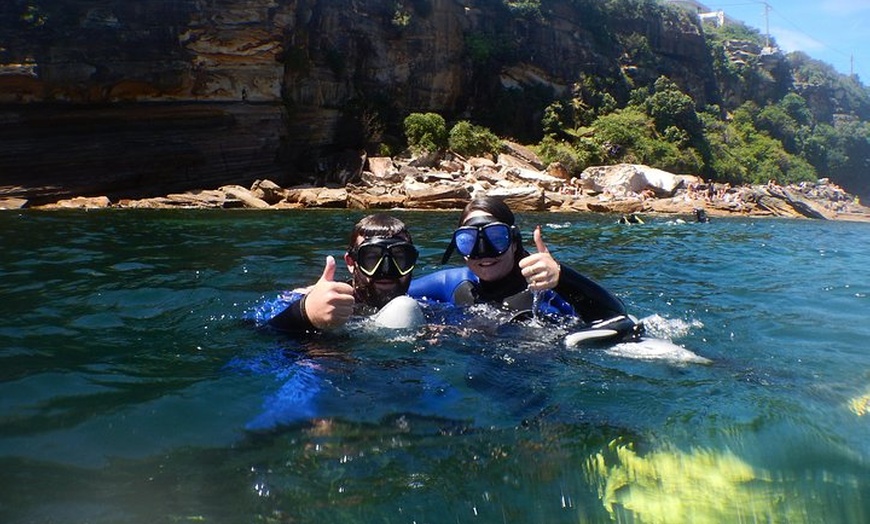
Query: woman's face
(492,268)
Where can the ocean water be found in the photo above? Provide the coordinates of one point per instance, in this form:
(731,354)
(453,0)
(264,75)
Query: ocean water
(133,389)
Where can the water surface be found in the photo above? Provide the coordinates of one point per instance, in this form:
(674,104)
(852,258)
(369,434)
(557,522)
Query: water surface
(133,390)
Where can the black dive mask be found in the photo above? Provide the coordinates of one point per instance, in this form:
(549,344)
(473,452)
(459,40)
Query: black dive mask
(385,257)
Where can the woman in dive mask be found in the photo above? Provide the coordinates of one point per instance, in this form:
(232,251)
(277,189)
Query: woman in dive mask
(499,270)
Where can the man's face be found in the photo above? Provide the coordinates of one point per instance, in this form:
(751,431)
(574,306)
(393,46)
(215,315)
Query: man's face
(377,270)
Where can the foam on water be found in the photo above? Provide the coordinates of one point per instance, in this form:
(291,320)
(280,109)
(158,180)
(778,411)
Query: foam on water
(656,349)
(649,347)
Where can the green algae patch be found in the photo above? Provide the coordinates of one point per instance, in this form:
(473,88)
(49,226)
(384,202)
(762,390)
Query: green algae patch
(698,486)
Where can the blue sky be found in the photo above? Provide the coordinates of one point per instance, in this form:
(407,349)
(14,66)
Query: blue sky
(833,31)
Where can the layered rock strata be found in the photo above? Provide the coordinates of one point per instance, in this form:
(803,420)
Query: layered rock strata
(130,99)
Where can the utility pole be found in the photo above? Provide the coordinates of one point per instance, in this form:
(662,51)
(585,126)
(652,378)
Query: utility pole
(767,23)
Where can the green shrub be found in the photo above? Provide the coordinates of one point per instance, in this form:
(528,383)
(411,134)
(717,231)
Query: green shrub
(384,149)
(669,106)
(575,157)
(426,132)
(470,140)
(623,130)
(629,135)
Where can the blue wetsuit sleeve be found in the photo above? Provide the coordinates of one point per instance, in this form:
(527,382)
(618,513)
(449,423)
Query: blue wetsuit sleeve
(591,301)
(441,286)
(553,305)
(285,313)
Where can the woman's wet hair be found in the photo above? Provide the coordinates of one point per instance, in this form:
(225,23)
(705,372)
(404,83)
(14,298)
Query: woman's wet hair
(492,205)
(378,225)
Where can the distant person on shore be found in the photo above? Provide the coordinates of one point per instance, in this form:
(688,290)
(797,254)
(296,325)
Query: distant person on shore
(380,258)
(498,270)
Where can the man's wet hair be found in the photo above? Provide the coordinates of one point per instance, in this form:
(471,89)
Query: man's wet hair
(378,225)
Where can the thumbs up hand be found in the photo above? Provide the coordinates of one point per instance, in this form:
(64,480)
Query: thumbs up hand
(540,269)
(328,303)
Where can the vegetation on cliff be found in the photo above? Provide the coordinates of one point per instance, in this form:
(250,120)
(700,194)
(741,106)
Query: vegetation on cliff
(763,116)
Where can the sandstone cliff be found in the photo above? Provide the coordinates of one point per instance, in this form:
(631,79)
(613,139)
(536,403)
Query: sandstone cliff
(132,99)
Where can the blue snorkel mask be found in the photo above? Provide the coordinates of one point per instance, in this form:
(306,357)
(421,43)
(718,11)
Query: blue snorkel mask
(482,237)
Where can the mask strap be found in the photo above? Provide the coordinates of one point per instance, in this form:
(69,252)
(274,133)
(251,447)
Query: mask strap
(449,251)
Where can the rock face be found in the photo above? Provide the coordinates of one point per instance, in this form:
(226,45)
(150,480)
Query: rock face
(135,151)
(142,98)
(122,98)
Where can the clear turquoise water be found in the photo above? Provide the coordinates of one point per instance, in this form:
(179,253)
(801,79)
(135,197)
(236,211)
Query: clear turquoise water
(128,377)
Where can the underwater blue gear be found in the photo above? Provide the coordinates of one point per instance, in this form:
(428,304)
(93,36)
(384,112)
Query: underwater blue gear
(460,286)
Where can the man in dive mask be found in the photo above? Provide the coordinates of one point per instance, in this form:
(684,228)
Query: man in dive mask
(380,258)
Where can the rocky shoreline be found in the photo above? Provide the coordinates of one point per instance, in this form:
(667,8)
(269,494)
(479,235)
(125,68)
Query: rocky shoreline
(447,181)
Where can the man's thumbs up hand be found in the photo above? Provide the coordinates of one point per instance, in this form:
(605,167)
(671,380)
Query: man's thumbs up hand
(329,303)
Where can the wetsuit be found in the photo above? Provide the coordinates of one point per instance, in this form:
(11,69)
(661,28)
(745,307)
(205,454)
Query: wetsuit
(574,295)
(285,313)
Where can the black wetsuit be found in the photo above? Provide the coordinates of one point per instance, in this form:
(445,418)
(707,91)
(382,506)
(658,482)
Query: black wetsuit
(287,312)
(574,295)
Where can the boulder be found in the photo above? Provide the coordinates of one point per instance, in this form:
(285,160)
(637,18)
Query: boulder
(625,179)
(557,170)
(441,195)
(373,198)
(80,203)
(451,166)
(488,174)
(268,191)
(528,176)
(317,197)
(432,177)
(478,162)
(782,202)
(662,183)
(381,170)
(13,203)
(507,161)
(245,196)
(616,206)
(381,166)
(519,199)
(618,180)
(192,199)
(518,155)
(426,159)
